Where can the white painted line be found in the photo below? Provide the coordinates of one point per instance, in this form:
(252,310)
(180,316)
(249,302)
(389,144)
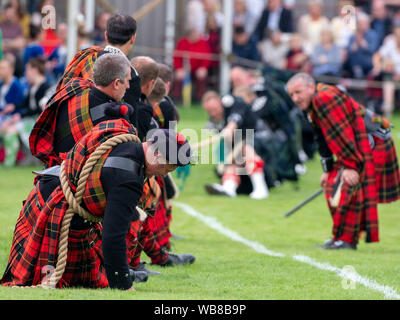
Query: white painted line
(388,292)
(214,224)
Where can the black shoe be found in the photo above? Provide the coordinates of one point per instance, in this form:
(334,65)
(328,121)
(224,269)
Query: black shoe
(138,276)
(175,259)
(326,244)
(339,244)
(142,268)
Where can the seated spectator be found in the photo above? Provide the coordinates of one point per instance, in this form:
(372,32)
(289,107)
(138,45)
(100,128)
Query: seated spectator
(213,35)
(57,61)
(340,25)
(195,16)
(50,38)
(13,37)
(244,46)
(11,94)
(100,28)
(380,20)
(296,58)
(26,112)
(23,17)
(244,16)
(327,57)
(274,17)
(274,50)
(311,24)
(363,44)
(386,63)
(192,55)
(34,48)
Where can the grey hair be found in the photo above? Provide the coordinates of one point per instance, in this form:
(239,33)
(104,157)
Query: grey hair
(303,77)
(109,67)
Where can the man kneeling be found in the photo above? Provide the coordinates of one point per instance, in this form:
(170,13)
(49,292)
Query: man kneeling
(111,192)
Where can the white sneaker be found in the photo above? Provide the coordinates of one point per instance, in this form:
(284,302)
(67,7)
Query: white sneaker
(260,188)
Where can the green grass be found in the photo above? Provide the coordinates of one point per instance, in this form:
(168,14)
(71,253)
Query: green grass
(225,269)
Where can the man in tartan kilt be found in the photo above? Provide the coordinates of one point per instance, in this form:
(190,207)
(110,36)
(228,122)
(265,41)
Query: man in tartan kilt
(120,36)
(97,256)
(366,161)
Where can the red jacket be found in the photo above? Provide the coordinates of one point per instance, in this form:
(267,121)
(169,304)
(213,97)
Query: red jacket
(200,46)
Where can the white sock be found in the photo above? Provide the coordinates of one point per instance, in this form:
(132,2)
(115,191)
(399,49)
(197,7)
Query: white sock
(230,187)
(260,188)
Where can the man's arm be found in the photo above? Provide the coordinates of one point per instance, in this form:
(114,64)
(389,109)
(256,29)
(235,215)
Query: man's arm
(123,190)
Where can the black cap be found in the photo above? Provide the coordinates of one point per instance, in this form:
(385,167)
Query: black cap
(172,145)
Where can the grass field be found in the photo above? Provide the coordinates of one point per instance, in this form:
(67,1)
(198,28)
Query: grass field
(228,269)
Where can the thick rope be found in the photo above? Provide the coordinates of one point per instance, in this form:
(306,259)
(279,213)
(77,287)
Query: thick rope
(75,200)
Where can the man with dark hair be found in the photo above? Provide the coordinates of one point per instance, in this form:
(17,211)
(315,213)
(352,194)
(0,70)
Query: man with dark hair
(120,37)
(96,254)
(365,171)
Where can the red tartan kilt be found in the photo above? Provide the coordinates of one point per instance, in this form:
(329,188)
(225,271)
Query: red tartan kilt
(349,218)
(85,263)
(132,242)
(161,224)
(386,170)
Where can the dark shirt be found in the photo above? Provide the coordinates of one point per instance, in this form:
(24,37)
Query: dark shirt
(144,121)
(123,190)
(31,107)
(169,111)
(236,110)
(64,142)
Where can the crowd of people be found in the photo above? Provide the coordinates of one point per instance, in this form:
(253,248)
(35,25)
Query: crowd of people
(360,42)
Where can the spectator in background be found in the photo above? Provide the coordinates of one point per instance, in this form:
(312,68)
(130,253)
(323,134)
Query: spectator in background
(274,17)
(363,44)
(380,20)
(296,58)
(213,35)
(13,38)
(386,63)
(57,61)
(192,54)
(341,26)
(195,16)
(23,18)
(11,94)
(11,90)
(274,50)
(244,16)
(100,29)
(27,111)
(34,48)
(311,24)
(244,46)
(50,38)
(327,57)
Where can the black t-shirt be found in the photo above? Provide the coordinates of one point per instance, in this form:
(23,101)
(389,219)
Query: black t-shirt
(236,110)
